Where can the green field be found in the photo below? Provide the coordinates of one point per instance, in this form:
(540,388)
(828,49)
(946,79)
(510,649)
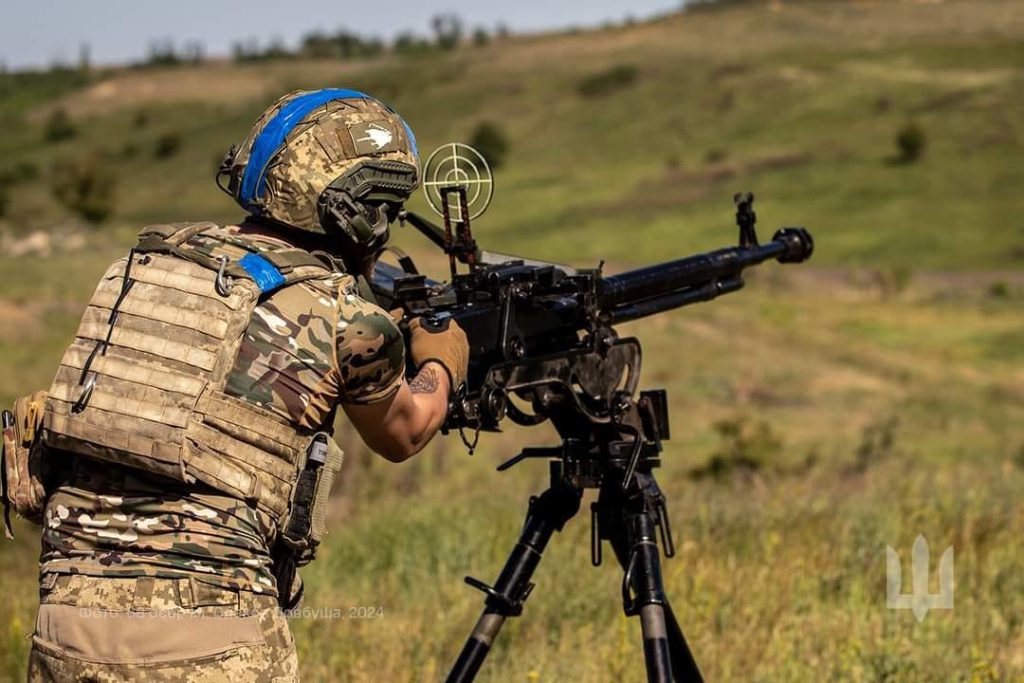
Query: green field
(878,389)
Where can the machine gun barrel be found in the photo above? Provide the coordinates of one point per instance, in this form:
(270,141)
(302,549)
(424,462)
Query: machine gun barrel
(684,297)
(661,287)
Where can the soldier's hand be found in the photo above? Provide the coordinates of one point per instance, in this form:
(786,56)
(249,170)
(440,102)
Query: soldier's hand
(446,345)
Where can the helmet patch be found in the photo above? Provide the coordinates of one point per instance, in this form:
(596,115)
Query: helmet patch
(372,137)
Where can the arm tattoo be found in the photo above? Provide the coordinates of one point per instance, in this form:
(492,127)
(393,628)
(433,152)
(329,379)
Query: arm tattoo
(426,382)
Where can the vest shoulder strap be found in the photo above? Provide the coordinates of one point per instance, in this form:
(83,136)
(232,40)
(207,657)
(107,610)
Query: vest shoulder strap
(268,265)
(175,233)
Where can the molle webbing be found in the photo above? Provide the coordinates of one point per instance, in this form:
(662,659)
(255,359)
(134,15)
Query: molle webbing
(158,351)
(294,264)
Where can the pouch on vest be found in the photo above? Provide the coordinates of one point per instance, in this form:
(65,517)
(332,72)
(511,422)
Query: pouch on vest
(23,460)
(307,523)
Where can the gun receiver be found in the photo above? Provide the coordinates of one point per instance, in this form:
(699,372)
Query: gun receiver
(533,325)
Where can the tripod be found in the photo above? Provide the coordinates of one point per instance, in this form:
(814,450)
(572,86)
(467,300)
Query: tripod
(629,510)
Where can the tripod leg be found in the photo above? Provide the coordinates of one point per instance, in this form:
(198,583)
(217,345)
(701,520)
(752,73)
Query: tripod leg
(643,594)
(629,522)
(666,652)
(548,513)
(682,659)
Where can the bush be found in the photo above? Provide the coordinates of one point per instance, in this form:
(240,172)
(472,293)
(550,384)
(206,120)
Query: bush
(999,290)
(5,199)
(716,155)
(877,442)
(21,172)
(608,82)
(910,143)
(167,145)
(59,127)
(480,36)
(85,186)
(490,141)
(24,172)
(410,44)
(894,280)
(746,446)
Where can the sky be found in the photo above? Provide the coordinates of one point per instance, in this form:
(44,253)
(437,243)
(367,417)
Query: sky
(40,33)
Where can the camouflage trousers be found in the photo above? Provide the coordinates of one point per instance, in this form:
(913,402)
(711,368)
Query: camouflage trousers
(93,629)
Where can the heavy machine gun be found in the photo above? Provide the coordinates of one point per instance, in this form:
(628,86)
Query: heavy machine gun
(543,346)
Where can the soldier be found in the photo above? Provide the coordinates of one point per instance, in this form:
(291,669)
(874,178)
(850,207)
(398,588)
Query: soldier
(188,428)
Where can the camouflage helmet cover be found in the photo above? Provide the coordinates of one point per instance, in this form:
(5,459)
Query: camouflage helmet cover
(305,141)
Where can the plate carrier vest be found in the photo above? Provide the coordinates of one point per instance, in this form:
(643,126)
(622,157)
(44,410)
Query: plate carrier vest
(127,392)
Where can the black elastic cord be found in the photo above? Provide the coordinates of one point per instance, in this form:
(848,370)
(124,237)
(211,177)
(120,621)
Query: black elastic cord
(103,344)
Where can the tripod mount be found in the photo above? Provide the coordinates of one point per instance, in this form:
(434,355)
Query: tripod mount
(612,445)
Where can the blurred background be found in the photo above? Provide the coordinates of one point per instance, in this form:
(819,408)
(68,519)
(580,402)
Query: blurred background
(821,414)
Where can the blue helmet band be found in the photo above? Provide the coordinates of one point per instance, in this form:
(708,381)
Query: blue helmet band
(273,135)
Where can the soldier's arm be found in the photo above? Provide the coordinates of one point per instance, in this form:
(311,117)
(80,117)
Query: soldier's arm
(395,418)
(400,426)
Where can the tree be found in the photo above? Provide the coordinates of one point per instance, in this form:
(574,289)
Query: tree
(162,53)
(409,43)
(85,186)
(448,30)
(343,44)
(193,51)
(490,141)
(84,60)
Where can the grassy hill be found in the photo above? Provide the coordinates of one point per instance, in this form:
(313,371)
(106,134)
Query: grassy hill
(878,390)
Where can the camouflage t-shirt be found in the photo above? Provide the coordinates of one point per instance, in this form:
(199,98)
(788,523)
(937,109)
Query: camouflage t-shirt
(308,347)
(115,521)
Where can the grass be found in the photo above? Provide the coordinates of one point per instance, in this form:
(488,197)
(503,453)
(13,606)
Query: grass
(908,319)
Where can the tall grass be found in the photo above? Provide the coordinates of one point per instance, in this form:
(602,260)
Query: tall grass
(877,388)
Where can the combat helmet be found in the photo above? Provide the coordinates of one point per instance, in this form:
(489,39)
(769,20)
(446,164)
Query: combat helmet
(334,162)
